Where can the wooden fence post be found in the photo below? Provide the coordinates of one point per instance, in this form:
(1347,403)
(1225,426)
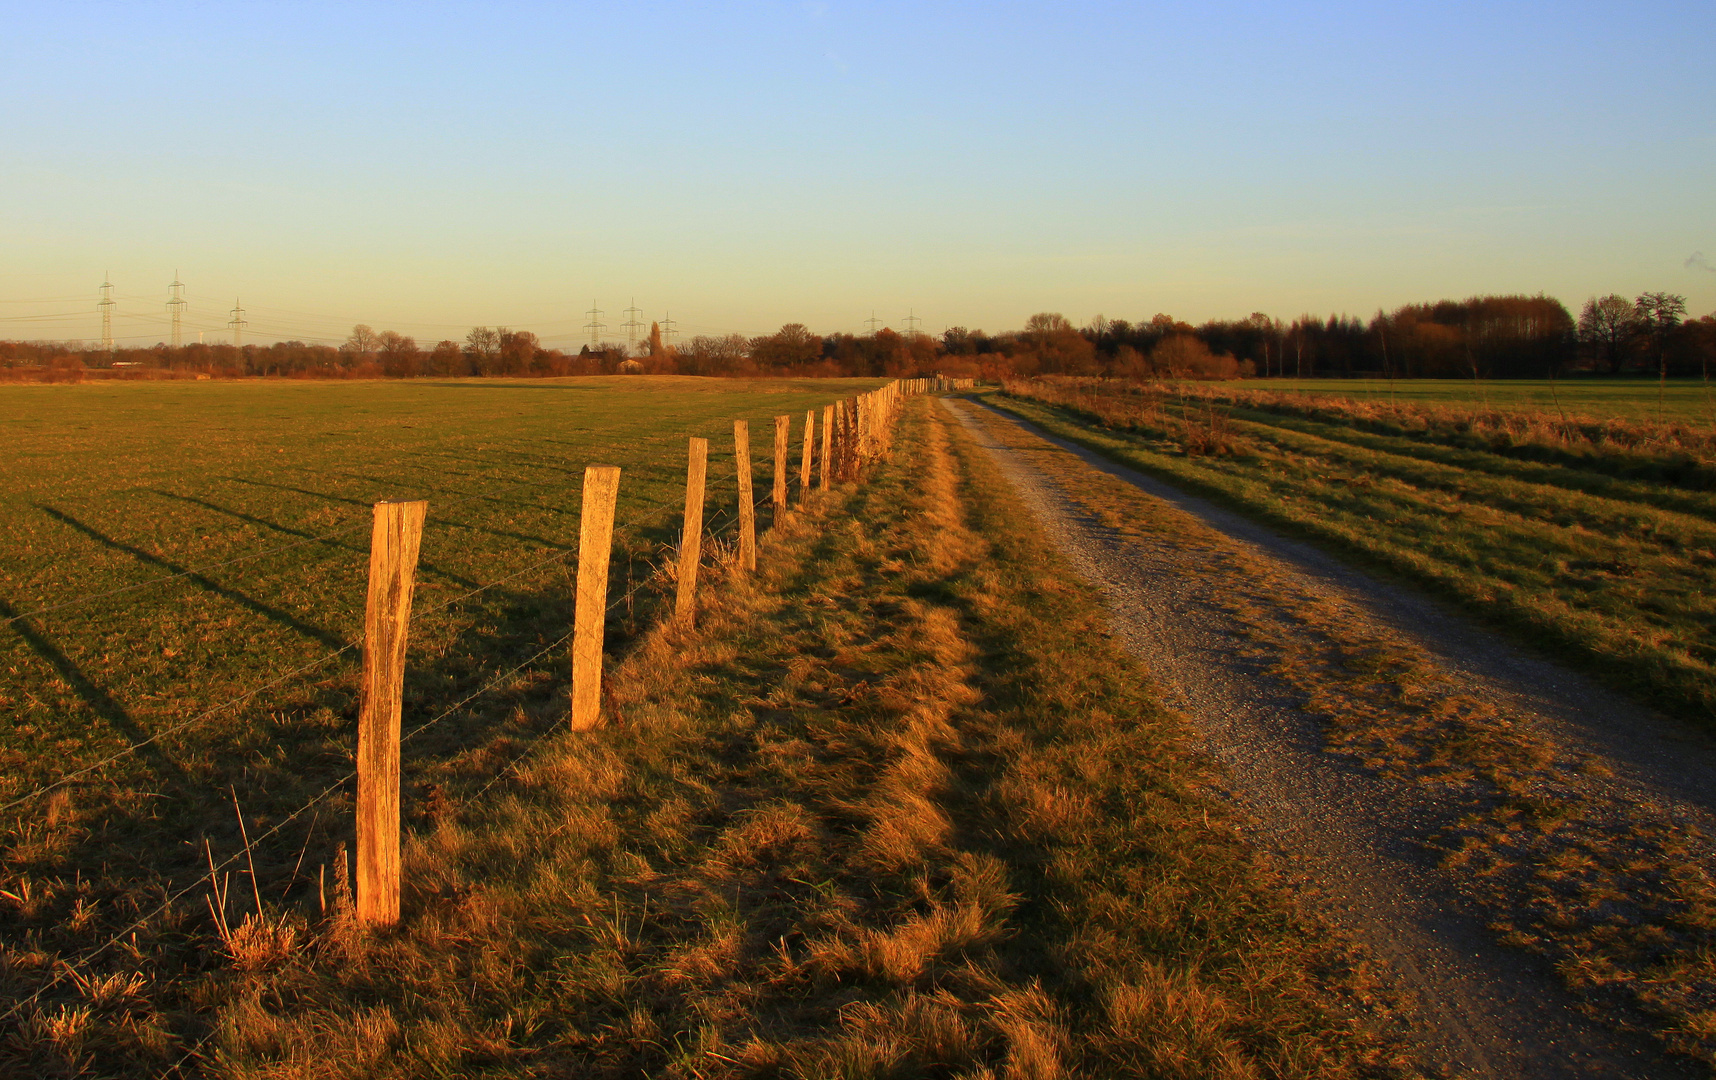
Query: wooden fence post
(827,442)
(747,508)
(849,439)
(691,536)
(804,464)
(783,440)
(862,415)
(393,547)
(590,617)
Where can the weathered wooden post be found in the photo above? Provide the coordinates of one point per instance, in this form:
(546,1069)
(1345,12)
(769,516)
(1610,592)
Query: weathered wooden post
(863,415)
(827,444)
(393,546)
(849,439)
(747,509)
(691,536)
(590,617)
(804,463)
(783,440)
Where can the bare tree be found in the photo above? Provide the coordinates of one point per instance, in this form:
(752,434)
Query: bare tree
(482,346)
(399,356)
(1609,324)
(1658,314)
(362,343)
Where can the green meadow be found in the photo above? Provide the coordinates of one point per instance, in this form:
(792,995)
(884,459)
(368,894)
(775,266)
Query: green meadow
(1595,549)
(1685,401)
(173,547)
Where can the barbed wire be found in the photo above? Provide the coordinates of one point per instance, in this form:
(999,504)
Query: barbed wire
(176,728)
(68,967)
(183,725)
(72,967)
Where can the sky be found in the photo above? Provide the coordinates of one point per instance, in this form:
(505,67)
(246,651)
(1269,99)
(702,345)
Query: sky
(426,168)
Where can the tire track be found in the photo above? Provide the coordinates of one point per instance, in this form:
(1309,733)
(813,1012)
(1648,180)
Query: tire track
(1354,838)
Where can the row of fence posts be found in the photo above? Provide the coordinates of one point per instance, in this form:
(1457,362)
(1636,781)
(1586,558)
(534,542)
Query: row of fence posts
(853,432)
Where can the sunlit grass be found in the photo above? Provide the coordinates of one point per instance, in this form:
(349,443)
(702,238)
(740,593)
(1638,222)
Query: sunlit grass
(894,809)
(1592,879)
(1683,400)
(126,486)
(1621,571)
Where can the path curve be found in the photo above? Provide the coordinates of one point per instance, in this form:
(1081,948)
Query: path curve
(1350,837)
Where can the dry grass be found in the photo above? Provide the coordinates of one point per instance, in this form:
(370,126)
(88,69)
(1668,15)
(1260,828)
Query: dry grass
(1613,891)
(127,485)
(894,808)
(1618,569)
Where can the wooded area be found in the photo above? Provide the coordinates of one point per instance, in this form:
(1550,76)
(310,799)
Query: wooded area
(1484,337)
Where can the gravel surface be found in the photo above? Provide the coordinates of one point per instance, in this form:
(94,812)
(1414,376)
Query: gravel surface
(1353,838)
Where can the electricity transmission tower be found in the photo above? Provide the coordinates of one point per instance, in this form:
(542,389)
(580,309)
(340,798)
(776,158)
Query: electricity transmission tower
(631,326)
(176,308)
(595,325)
(872,322)
(912,321)
(105,306)
(668,333)
(237,324)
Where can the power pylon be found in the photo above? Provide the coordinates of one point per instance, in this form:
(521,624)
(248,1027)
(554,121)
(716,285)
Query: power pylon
(595,325)
(912,321)
(668,333)
(872,322)
(176,308)
(105,306)
(237,324)
(632,326)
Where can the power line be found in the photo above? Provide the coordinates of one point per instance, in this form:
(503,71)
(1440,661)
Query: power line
(668,333)
(912,321)
(872,322)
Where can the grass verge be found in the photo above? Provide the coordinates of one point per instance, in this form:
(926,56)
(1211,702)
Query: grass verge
(1614,577)
(895,808)
(1609,889)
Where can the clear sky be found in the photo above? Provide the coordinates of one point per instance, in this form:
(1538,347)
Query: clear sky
(426,168)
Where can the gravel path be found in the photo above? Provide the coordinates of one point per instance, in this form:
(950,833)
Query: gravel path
(1353,837)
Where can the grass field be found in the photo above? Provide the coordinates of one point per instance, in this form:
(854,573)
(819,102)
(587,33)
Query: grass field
(894,808)
(1687,401)
(1604,554)
(128,489)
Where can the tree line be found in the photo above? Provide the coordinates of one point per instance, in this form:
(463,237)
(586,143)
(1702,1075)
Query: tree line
(1484,337)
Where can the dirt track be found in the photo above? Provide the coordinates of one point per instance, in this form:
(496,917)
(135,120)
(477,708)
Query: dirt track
(1354,837)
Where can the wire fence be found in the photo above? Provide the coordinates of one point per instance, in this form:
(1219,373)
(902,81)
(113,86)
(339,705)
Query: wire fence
(857,425)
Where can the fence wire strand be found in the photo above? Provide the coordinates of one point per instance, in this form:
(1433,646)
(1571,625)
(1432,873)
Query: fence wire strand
(70,778)
(64,968)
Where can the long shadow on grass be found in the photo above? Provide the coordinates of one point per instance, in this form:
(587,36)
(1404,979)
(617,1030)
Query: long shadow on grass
(99,701)
(263,522)
(475,706)
(427,567)
(267,611)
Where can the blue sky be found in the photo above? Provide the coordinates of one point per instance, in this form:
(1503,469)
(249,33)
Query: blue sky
(426,168)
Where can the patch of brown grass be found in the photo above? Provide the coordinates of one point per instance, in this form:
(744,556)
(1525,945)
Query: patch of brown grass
(1612,891)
